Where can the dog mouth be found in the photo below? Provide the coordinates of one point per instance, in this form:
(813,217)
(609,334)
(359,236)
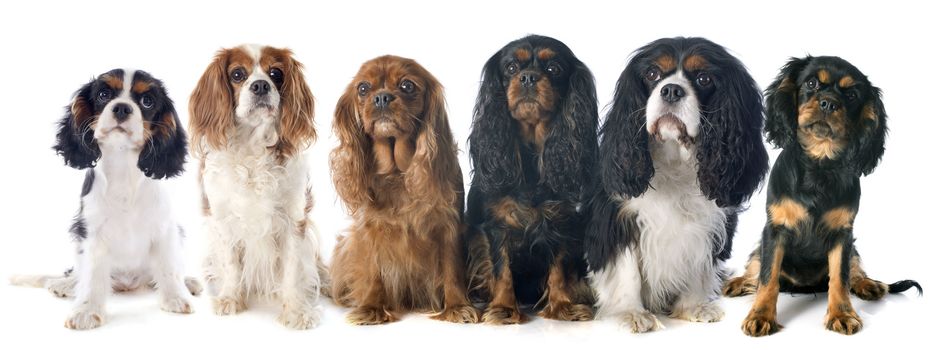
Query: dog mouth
(669,127)
(263,105)
(385,126)
(821,130)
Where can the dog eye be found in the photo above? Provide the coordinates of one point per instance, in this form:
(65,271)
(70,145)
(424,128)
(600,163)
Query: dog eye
(277,76)
(554,69)
(653,74)
(105,95)
(703,79)
(238,75)
(147,102)
(851,95)
(512,68)
(363,89)
(812,84)
(407,86)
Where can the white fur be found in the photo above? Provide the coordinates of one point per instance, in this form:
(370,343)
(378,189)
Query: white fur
(688,109)
(256,204)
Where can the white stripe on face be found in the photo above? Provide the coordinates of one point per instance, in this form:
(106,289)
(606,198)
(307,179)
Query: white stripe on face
(687,109)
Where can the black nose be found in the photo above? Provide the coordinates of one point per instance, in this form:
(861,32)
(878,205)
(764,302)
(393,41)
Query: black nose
(528,79)
(121,112)
(260,87)
(672,93)
(829,105)
(383,99)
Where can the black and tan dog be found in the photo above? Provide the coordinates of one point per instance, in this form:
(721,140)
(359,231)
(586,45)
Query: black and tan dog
(831,124)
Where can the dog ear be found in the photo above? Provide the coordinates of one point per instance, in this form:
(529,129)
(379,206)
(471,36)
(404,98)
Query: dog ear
(782,104)
(74,138)
(210,107)
(434,170)
(625,165)
(869,141)
(732,159)
(352,160)
(164,153)
(297,110)
(493,147)
(571,147)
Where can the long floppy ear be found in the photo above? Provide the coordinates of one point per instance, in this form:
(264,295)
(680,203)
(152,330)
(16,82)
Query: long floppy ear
(164,153)
(434,171)
(732,160)
(74,138)
(493,141)
(870,139)
(625,162)
(211,109)
(782,104)
(571,147)
(297,111)
(352,160)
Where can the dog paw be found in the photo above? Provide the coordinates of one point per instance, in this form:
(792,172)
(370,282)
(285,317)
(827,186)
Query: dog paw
(708,312)
(642,322)
(847,323)
(458,314)
(738,286)
(758,324)
(85,319)
(177,305)
(61,288)
(370,315)
(567,312)
(501,315)
(869,289)
(194,286)
(298,318)
(224,306)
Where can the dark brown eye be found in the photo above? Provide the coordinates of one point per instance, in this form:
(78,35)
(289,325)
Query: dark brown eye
(512,68)
(407,86)
(812,84)
(147,102)
(104,95)
(653,74)
(851,95)
(554,68)
(277,76)
(363,89)
(703,79)
(238,75)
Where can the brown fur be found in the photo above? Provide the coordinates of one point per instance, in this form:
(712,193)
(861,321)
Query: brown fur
(823,76)
(862,286)
(666,63)
(821,147)
(787,213)
(838,218)
(403,252)
(546,54)
(840,316)
(746,284)
(694,63)
(846,82)
(762,319)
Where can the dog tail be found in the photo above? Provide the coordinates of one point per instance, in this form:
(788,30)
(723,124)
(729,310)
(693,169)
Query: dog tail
(904,285)
(35,281)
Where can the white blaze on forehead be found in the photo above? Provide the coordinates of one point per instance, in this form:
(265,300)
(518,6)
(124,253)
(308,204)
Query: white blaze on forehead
(687,109)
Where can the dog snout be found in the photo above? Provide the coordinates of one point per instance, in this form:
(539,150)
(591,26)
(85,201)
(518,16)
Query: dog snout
(260,87)
(528,79)
(829,105)
(383,99)
(121,111)
(672,93)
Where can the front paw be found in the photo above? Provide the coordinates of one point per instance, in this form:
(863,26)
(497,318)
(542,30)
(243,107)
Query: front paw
(567,312)
(194,286)
(224,306)
(298,318)
(370,315)
(501,315)
(177,305)
(85,319)
(708,312)
(642,322)
(869,289)
(847,323)
(758,324)
(458,314)
(738,286)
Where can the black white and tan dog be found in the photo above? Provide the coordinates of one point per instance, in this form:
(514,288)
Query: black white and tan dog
(681,151)
(831,124)
(122,128)
(534,149)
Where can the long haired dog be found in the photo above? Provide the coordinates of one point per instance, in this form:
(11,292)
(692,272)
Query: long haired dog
(122,128)
(830,122)
(251,118)
(533,148)
(681,151)
(397,173)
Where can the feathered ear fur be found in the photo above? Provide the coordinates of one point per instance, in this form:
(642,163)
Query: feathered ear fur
(782,104)
(210,107)
(571,147)
(732,160)
(869,140)
(297,110)
(164,153)
(74,138)
(434,171)
(626,167)
(352,160)
(493,143)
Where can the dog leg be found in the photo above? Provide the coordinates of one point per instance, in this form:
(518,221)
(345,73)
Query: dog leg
(167,267)
(300,284)
(230,300)
(618,287)
(861,285)
(503,308)
(560,304)
(92,286)
(456,306)
(840,316)
(762,319)
(746,284)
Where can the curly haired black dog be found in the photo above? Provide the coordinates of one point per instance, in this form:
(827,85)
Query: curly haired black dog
(533,148)
(831,124)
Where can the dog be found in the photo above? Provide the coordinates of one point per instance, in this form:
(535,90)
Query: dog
(681,152)
(831,123)
(533,149)
(251,118)
(397,173)
(122,128)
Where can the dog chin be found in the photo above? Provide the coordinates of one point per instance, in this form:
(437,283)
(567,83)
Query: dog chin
(385,128)
(669,127)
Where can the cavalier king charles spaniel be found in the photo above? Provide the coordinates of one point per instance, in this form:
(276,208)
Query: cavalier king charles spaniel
(681,151)
(534,150)
(122,128)
(831,124)
(251,118)
(397,173)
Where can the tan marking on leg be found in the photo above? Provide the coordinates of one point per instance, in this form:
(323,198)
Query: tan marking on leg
(840,316)
(762,319)
(559,290)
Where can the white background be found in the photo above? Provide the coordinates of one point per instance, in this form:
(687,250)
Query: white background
(51,49)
